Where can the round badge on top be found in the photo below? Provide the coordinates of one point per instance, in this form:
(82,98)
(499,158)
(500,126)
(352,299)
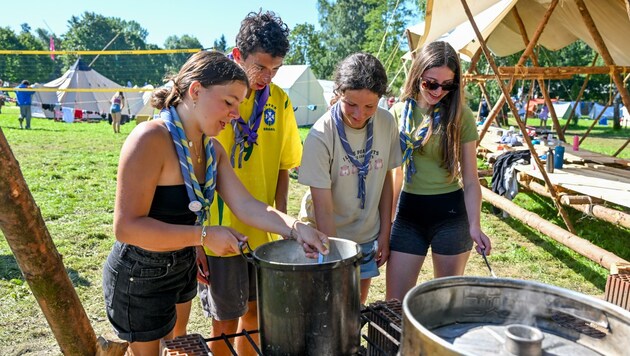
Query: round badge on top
(195,206)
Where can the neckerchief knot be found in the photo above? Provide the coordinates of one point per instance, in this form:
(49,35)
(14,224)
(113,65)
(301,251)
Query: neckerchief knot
(246,133)
(407,144)
(362,168)
(200,198)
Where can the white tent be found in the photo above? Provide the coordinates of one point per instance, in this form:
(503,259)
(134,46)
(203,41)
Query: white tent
(92,103)
(328,86)
(307,95)
(446,20)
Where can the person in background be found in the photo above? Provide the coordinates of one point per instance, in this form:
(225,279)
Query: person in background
(383,102)
(483,110)
(118,102)
(543,115)
(24,99)
(2,96)
(348,157)
(440,202)
(390,102)
(263,143)
(168,172)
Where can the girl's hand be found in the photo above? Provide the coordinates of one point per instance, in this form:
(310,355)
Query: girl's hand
(313,241)
(223,240)
(482,241)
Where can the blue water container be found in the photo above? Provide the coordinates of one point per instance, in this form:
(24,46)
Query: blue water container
(603,121)
(558,157)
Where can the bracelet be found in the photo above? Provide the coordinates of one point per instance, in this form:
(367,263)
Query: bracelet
(203,235)
(293,232)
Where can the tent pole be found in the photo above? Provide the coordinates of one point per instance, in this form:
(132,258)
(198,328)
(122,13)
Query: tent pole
(526,53)
(579,97)
(506,94)
(628,8)
(594,123)
(603,51)
(541,82)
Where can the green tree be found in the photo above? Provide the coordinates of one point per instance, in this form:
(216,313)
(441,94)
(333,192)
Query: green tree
(175,61)
(306,48)
(220,44)
(91,31)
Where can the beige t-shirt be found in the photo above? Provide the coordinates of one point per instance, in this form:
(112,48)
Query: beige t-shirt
(431,178)
(326,165)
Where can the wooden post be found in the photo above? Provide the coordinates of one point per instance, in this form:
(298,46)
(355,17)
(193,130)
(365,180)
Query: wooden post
(603,51)
(40,263)
(541,82)
(628,8)
(526,53)
(579,97)
(572,241)
(621,148)
(506,94)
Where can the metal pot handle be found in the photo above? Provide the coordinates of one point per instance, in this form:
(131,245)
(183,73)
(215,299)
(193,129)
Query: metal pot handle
(370,255)
(241,246)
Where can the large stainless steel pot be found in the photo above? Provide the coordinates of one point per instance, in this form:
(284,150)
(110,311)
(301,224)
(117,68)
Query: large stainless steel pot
(484,316)
(306,307)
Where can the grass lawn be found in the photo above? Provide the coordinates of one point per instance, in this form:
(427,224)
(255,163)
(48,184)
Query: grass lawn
(71,172)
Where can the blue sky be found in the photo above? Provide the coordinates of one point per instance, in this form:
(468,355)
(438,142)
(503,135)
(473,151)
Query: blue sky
(204,19)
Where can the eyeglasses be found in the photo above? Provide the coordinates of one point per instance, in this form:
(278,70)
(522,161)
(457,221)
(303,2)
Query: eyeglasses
(431,85)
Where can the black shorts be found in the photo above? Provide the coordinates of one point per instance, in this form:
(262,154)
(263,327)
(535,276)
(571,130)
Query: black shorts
(439,221)
(142,288)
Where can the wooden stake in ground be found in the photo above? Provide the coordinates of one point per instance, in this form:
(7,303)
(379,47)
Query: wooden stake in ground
(41,264)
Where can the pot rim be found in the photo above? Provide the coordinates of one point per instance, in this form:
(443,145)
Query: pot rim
(260,262)
(608,309)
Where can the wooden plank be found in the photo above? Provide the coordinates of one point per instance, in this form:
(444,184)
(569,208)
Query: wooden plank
(579,179)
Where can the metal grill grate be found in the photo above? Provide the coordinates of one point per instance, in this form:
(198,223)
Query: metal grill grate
(383,320)
(571,322)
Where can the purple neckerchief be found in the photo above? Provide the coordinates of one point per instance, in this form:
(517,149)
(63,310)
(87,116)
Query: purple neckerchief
(247,132)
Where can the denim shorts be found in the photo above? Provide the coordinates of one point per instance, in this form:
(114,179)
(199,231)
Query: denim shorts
(142,287)
(232,284)
(439,221)
(369,268)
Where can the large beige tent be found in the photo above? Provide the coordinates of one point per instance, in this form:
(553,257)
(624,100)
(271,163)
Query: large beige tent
(94,103)
(446,20)
(307,95)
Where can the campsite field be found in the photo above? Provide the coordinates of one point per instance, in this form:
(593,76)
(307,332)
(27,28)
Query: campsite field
(71,172)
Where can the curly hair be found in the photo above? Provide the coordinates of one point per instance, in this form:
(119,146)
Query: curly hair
(207,67)
(263,32)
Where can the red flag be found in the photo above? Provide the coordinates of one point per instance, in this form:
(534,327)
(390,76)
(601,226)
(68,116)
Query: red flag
(52,48)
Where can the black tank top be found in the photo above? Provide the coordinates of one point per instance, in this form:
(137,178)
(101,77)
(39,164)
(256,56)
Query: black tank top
(170,205)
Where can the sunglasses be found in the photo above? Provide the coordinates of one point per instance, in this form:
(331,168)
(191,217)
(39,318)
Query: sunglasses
(430,85)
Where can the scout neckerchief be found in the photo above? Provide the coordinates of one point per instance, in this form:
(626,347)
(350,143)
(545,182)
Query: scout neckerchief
(407,142)
(200,200)
(363,168)
(246,133)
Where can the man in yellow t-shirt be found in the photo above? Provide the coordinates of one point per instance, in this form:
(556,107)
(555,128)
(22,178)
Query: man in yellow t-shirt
(263,145)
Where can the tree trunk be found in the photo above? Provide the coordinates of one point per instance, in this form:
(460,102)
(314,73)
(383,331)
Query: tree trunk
(41,264)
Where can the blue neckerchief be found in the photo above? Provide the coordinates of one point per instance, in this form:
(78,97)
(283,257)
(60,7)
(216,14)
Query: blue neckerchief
(200,200)
(246,133)
(407,144)
(363,168)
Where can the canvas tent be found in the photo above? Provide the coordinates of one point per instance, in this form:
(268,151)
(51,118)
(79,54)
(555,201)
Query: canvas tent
(446,20)
(328,86)
(94,104)
(305,92)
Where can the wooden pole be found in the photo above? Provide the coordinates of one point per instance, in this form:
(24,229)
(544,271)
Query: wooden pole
(572,241)
(38,259)
(579,97)
(621,148)
(553,72)
(526,53)
(603,51)
(541,82)
(593,124)
(585,204)
(628,8)
(506,93)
